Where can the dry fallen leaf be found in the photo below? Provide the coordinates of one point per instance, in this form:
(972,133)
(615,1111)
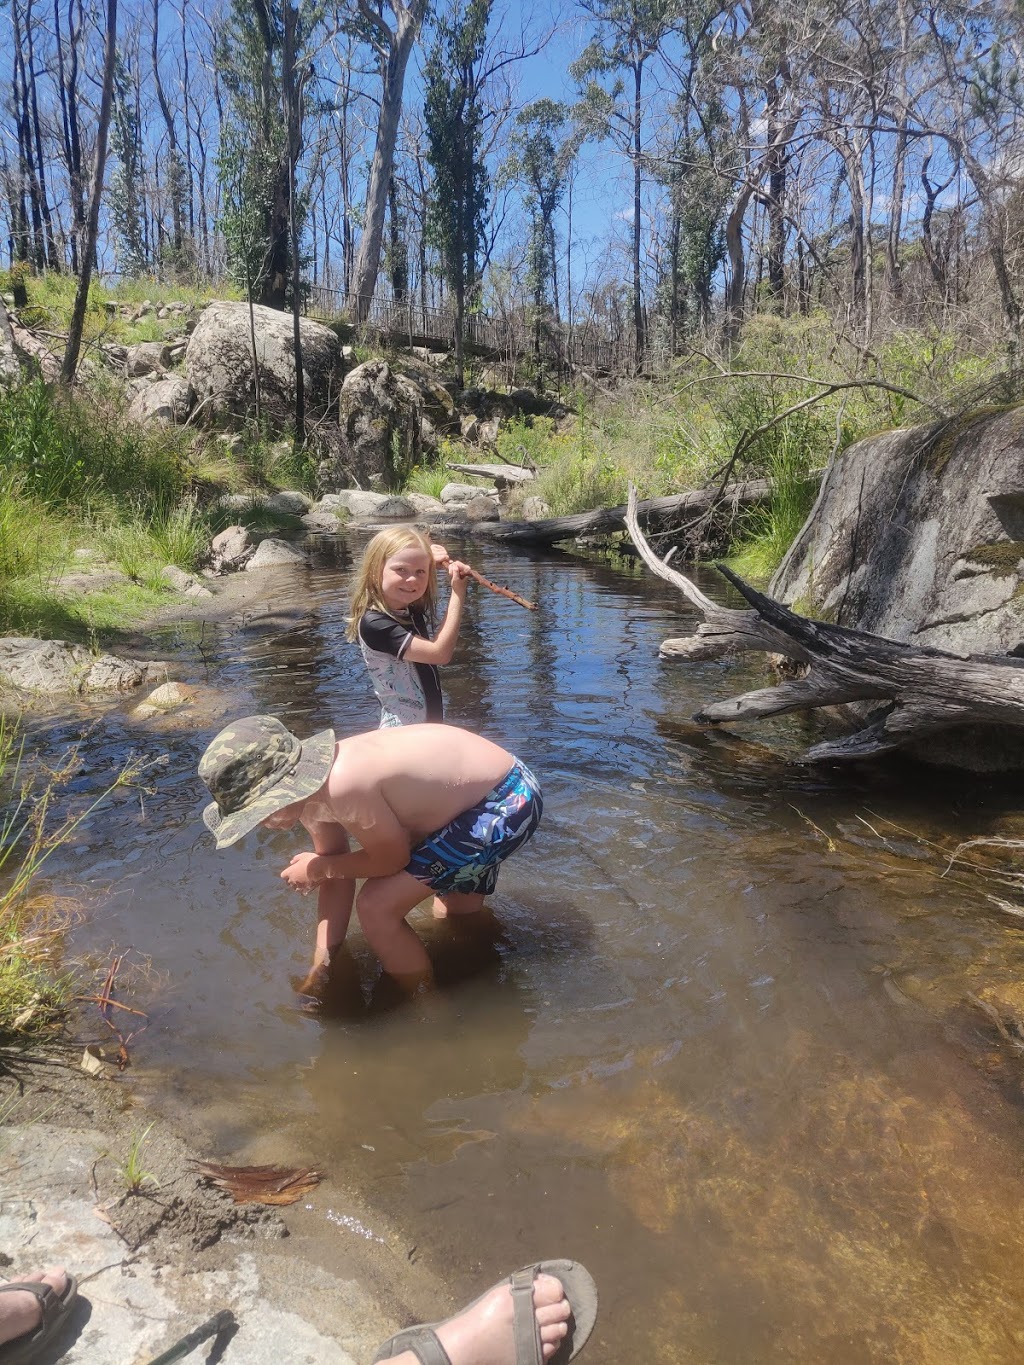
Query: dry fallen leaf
(261,1184)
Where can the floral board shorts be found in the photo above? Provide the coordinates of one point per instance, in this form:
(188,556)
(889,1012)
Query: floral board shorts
(464,856)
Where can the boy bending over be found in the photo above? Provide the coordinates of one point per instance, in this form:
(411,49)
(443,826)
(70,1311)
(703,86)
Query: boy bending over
(430,806)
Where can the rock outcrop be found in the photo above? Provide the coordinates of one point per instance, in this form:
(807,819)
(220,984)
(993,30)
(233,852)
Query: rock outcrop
(219,361)
(379,436)
(57,668)
(168,401)
(918,535)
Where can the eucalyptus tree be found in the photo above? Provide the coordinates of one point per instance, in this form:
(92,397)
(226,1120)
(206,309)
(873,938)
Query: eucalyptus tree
(124,197)
(544,144)
(626,35)
(392,48)
(174,170)
(453,116)
(252,159)
(74,340)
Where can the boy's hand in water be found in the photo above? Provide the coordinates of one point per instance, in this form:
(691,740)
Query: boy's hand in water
(305,872)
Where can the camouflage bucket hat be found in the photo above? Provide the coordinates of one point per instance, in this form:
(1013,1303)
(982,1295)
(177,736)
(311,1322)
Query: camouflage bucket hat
(256,766)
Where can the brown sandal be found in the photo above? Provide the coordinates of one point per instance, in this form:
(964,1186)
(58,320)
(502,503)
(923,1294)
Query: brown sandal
(579,1288)
(56,1309)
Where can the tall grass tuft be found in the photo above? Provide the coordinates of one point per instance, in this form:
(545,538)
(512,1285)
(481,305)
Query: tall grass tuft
(769,531)
(72,451)
(31,995)
(180,534)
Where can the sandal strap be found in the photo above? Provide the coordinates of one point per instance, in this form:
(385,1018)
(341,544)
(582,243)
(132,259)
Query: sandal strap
(524,1318)
(427,1349)
(49,1303)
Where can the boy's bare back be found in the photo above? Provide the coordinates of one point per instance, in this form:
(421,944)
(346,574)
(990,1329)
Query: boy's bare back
(426,775)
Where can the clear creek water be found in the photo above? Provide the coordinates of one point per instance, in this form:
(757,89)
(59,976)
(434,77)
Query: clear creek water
(720,1049)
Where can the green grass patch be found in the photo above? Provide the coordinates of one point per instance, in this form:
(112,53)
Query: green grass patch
(72,451)
(767,532)
(43,610)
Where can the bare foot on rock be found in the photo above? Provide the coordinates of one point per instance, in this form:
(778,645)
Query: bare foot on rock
(20,1310)
(483,1334)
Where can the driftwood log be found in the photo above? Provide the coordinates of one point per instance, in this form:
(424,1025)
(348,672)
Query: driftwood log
(918,692)
(605,519)
(502,474)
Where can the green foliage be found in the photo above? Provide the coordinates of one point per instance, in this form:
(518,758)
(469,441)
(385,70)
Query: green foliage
(68,451)
(32,540)
(539,160)
(454,118)
(431,478)
(252,158)
(787,454)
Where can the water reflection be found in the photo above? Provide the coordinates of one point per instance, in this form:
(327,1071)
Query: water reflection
(718,1042)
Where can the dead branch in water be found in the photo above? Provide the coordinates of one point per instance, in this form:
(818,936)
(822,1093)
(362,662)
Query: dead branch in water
(602,520)
(106,1001)
(919,691)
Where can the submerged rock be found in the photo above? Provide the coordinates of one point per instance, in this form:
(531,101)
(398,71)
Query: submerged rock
(166,697)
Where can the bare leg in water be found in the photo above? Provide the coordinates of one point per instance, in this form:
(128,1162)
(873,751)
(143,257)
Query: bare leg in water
(483,1335)
(457,903)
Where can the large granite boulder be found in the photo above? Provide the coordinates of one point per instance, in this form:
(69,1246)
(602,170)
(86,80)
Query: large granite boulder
(147,357)
(168,401)
(219,361)
(918,535)
(10,360)
(379,436)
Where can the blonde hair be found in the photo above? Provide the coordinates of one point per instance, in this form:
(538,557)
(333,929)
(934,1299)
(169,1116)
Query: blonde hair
(367,590)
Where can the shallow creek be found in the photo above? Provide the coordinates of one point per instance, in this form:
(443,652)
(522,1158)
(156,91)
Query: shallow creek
(719,1049)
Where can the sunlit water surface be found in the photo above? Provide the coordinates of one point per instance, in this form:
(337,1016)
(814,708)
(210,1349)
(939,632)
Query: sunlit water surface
(720,1050)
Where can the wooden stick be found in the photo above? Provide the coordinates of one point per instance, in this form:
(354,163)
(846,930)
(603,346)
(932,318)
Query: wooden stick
(495,587)
(505,592)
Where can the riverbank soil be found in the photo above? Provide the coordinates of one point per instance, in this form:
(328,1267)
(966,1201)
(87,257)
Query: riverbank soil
(156,1263)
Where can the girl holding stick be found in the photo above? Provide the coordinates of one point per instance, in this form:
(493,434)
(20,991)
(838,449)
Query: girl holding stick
(394,606)
(394,603)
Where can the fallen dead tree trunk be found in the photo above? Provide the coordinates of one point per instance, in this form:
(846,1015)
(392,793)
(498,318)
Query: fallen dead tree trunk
(919,691)
(698,503)
(502,475)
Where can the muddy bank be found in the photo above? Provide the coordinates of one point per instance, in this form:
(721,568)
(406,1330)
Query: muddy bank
(156,1263)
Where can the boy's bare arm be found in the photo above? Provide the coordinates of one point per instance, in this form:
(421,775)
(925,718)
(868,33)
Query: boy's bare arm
(385,847)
